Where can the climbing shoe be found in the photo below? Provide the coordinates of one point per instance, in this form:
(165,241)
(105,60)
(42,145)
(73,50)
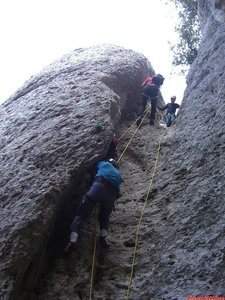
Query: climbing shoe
(103,242)
(70,247)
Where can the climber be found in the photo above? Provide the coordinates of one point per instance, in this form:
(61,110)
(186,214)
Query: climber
(112,152)
(103,191)
(170,117)
(151,87)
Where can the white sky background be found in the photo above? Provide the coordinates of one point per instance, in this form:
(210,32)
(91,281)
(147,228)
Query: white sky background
(34,33)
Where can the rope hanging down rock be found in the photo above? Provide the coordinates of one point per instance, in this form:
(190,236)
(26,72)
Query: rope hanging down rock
(143,208)
(142,214)
(120,138)
(95,235)
(93,256)
(130,140)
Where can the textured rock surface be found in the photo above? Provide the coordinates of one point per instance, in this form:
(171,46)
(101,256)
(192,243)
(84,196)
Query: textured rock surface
(70,277)
(182,237)
(49,142)
(185,253)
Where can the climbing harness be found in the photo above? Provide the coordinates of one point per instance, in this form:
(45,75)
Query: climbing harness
(141,216)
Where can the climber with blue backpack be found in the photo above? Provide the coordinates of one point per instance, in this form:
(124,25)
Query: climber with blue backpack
(151,89)
(104,190)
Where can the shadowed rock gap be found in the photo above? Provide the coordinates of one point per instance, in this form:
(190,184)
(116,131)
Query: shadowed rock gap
(70,277)
(52,246)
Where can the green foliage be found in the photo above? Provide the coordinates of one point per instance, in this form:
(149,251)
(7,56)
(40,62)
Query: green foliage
(98,127)
(185,51)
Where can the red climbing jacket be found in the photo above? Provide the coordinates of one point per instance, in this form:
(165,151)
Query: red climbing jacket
(155,79)
(147,81)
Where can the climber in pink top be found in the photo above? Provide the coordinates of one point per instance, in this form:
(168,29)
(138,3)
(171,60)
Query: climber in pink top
(151,87)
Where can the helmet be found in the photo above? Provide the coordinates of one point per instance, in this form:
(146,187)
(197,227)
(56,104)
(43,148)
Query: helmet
(158,79)
(113,162)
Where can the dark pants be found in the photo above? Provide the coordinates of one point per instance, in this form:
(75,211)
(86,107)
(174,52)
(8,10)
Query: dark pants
(153,105)
(170,119)
(100,193)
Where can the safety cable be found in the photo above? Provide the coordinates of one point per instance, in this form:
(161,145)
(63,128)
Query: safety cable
(143,117)
(120,138)
(94,256)
(141,216)
(95,240)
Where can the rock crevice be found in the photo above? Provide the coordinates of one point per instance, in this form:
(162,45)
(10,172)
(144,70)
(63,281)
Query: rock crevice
(50,141)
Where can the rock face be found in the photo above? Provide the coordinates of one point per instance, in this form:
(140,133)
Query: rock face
(185,252)
(181,249)
(70,277)
(49,142)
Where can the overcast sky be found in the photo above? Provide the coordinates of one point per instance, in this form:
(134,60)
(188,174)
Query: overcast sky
(34,33)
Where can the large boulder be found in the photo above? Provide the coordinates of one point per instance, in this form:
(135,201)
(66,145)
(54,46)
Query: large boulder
(53,130)
(181,248)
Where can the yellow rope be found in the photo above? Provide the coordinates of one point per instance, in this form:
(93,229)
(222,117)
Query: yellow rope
(93,258)
(146,112)
(120,138)
(95,240)
(141,217)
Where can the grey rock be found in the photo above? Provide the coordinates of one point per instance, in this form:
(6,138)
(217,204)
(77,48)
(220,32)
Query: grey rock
(190,226)
(49,144)
(181,243)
